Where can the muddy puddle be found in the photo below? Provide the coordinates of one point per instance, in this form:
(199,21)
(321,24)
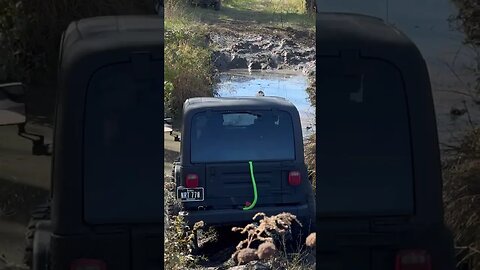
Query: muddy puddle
(287,84)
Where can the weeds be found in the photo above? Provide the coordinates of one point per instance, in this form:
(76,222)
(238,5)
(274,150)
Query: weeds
(266,241)
(188,68)
(178,245)
(462,197)
(310,158)
(179,238)
(311,141)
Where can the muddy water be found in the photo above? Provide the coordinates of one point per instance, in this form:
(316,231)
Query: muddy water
(426,23)
(289,85)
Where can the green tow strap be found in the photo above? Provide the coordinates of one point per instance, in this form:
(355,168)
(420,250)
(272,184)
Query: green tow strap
(254,188)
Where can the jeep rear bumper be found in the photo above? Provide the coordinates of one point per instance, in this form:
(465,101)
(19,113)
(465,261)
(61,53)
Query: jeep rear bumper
(236,216)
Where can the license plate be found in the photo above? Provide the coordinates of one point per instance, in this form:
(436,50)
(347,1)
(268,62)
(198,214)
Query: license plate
(190,194)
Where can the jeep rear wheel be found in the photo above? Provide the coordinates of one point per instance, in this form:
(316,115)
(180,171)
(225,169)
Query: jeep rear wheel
(40,213)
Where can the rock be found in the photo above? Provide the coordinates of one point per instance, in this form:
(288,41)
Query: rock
(246,255)
(238,62)
(254,48)
(296,60)
(254,65)
(254,265)
(221,60)
(242,45)
(286,43)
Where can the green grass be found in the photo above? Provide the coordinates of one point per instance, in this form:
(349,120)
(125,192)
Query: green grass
(276,13)
(188,69)
(274,6)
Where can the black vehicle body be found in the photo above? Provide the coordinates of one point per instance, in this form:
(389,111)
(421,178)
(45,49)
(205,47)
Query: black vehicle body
(379,182)
(106,205)
(225,176)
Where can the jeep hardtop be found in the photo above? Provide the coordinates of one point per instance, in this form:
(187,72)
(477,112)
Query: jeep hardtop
(228,141)
(379,181)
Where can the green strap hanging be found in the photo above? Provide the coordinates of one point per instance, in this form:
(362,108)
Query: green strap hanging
(254,188)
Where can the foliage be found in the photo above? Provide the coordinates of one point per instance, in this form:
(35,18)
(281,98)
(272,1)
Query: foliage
(188,67)
(468,19)
(31,30)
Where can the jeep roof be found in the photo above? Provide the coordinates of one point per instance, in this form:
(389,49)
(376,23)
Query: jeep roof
(237,102)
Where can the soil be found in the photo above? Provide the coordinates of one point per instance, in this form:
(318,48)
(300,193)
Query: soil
(263,48)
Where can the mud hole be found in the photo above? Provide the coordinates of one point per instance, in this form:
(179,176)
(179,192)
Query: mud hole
(259,51)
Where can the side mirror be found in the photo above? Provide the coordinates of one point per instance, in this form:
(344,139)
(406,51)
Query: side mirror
(12,106)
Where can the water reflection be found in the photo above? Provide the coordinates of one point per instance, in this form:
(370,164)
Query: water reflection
(284,84)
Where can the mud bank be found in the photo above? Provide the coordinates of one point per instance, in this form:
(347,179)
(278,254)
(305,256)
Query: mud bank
(258,51)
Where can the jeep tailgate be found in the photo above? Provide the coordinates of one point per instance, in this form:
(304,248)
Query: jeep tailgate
(147,247)
(230,186)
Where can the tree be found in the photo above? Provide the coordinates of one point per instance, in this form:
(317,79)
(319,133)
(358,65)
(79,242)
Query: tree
(468,20)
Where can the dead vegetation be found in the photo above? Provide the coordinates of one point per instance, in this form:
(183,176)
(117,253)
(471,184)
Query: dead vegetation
(266,241)
(462,198)
(179,238)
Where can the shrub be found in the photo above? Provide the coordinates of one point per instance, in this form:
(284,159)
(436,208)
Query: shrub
(31,30)
(188,68)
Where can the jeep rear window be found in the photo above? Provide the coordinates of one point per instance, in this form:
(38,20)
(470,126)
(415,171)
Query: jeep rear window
(363,141)
(242,136)
(123,147)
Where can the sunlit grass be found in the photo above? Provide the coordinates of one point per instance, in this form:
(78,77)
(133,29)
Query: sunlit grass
(287,6)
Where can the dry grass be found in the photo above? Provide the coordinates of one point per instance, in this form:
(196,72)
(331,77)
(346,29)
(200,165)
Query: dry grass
(266,241)
(462,197)
(310,158)
(311,142)
(179,238)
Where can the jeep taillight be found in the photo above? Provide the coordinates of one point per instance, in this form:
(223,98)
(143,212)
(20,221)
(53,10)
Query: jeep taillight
(191,181)
(294,178)
(413,260)
(88,264)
